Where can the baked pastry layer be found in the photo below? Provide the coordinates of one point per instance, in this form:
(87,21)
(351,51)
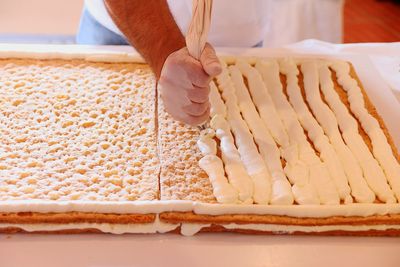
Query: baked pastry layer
(100,145)
(76,131)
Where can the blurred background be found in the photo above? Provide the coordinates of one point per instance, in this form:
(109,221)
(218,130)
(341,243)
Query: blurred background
(56,21)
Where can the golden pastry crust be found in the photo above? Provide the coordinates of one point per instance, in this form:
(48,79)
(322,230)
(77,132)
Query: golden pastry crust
(180,177)
(175,217)
(74,217)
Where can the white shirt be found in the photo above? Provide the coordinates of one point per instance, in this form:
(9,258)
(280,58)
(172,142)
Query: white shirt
(245,23)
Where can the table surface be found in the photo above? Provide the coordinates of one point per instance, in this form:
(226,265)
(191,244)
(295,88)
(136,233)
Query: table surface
(101,250)
(105,250)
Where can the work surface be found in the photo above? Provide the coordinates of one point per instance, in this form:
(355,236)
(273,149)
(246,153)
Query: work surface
(100,250)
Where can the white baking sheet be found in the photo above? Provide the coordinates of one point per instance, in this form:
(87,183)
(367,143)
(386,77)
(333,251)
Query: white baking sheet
(101,250)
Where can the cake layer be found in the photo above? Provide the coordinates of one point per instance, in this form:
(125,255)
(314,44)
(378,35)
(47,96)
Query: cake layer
(181,177)
(88,147)
(326,160)
(188,229)
(73,130)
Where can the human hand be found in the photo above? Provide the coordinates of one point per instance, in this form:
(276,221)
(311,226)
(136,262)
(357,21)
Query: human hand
(184,84)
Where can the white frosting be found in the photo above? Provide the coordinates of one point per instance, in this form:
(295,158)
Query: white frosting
(133,228)
(348,125)
(296,168)
(190,229)
(296,171)
(276,228)
(69,52)
(326,117)
(315,131)
(222,190)
(319,173)
(159,206)
(234,167)
(248,151)
(213,166)
(217,104)
(281,188)
(381,148)
(206,143)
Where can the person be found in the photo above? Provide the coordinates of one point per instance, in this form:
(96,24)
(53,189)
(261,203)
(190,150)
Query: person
(155,29)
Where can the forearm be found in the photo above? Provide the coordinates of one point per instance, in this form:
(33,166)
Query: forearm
(149,26)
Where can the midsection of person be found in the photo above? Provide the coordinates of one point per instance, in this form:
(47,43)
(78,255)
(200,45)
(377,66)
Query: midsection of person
(239,23)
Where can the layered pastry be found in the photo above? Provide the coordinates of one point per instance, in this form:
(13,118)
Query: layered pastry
(293,146)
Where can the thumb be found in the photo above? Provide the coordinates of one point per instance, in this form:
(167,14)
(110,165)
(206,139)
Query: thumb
(209,61)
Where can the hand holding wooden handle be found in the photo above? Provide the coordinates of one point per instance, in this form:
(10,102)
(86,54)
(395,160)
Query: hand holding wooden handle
(199,27)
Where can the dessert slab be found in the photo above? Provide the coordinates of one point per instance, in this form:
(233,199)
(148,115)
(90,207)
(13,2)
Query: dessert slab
(181,206)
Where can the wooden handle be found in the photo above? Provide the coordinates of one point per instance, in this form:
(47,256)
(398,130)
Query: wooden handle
(199,27)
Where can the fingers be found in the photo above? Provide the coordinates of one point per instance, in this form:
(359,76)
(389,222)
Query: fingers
(210,61)
(196,73)
(197,120)
(196,109)
(198,94)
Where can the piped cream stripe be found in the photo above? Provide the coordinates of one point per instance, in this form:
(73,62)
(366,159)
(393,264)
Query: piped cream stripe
(296,169)
(213,166)
(234,167)
(318,173)
(252,160)
(281,188)
(380,146)
(327,119)
(315,131)
(348,125)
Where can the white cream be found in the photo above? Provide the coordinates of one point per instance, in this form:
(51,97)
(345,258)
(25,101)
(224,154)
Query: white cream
(190,229)
(206,143)
(296,168)
(315,131)
(133,228)
(319,173)
(381,148)
(234,167)
(217,104)
(248,151)
(327,119)
(222,190)
(213,166)
(348,125)
(281,188)
(276,228)
(297,172)
(159,206)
